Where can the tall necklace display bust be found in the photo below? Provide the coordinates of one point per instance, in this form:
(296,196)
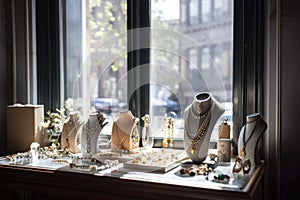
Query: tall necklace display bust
(124,132)
(249,138)
(200,118)
(90,133)
(70,132)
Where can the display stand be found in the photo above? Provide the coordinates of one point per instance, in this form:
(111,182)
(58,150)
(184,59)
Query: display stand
(125,135)
(200,118)
(70,132)
(90,133)
(249,137)
(21,181)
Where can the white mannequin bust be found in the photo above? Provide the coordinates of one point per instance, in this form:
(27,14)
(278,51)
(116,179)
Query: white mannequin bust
(90,133)
(204,109)
(250,135)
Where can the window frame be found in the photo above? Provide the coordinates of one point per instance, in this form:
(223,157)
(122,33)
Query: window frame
(248,62)
(138,14)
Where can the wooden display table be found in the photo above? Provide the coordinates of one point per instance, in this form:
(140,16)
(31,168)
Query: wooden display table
(45,179)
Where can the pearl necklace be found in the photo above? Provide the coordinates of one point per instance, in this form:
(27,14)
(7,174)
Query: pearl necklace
(89,132)
(200,132)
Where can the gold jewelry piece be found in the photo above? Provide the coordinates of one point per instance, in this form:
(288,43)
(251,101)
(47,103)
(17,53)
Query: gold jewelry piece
(237,165)
(246,166)
(193,169)
(199,107)
(200,132)
(201,116)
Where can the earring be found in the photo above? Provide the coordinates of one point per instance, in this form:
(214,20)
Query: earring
(246,166)
(237,165)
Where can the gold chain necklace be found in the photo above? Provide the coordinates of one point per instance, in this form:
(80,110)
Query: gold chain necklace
(201,116)
(200,132)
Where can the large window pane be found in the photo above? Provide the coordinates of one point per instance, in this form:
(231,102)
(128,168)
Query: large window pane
(188,57)
(101,81)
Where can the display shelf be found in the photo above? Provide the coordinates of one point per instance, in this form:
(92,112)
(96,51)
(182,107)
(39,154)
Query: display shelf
(46,179)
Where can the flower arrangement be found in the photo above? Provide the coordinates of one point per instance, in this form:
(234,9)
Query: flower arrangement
(54,121)
(146,120)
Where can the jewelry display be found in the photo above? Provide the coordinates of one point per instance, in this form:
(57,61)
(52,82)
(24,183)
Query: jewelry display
(247,144)
(212,161)
(125,134)
(147,139)
(200,118)
(222,178)
(62,161)
(52,151)
(224,142)
(19,156)
(200,132)
(93,164)
(34,151)
(90,133)
(168,132)
(96,165)
(70,132)
(156,158)
(165,131)
(194,169)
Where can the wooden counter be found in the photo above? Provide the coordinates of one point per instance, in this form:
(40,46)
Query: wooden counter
(35,182)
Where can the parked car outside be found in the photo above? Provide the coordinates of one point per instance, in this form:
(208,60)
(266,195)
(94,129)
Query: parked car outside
(106,105)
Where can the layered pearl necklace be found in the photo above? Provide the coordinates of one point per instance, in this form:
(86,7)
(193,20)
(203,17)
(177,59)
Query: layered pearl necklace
(202,127)
(89,132)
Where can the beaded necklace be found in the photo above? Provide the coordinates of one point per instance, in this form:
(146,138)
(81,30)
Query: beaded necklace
(89,132)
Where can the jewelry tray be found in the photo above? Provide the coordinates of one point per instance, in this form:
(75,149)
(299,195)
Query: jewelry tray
(149,160)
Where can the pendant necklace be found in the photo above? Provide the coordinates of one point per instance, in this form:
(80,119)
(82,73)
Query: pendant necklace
(240,163)
(201,131)
(243,149)
(120,140)
(69,134)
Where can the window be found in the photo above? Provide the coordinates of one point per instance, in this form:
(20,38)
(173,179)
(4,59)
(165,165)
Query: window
(99,80)
(183,60)
(186,60)
(194,12)
(206,8)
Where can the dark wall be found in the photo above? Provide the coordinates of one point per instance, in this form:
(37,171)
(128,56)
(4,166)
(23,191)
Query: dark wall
(281,98)
(5,68)
(290,97)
